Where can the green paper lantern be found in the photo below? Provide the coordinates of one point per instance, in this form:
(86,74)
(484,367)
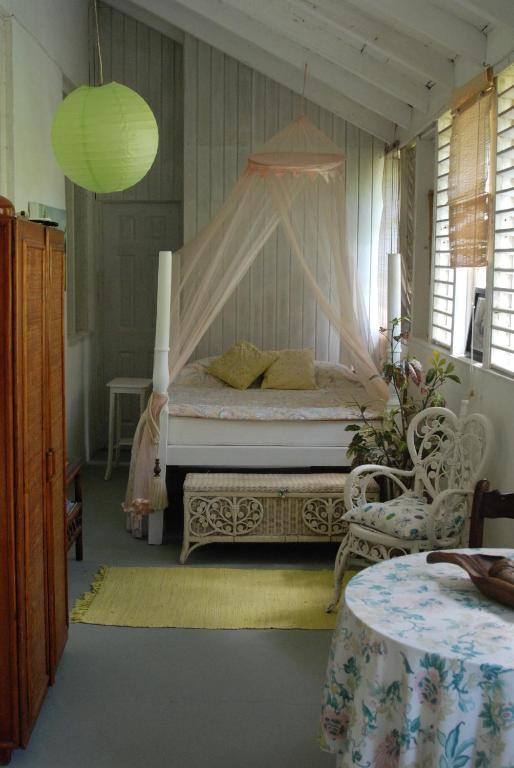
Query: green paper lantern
(105,137)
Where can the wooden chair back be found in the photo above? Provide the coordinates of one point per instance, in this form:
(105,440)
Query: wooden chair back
(487,504)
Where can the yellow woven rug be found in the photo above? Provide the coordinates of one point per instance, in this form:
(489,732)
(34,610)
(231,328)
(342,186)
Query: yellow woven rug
(208,598)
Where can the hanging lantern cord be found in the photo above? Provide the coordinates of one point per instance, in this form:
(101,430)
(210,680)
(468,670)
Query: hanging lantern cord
(304,79)
(100,64)
(303,89)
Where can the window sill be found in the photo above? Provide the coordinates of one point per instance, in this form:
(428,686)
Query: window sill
(462,360)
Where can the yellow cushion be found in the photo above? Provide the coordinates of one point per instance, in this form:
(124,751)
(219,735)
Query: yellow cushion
(293,369)
(241,364)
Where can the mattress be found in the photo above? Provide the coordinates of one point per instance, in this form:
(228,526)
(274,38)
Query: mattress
(336,398)
(266,404)
(211,424)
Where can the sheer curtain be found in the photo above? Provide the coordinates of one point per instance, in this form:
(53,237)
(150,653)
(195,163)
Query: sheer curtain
(389,241)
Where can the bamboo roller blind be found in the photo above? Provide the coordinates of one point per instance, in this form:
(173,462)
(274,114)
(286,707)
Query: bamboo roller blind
(470,193)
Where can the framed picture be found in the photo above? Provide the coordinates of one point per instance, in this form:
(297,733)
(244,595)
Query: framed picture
(476,327)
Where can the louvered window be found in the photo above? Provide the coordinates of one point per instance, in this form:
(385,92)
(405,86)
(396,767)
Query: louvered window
(502,294)
(443,276)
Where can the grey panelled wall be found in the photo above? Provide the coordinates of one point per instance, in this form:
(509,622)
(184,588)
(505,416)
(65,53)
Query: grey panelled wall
(151,64)
(132,226)
(230,110)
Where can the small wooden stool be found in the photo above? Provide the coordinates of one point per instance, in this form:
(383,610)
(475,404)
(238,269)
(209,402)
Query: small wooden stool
(74,516)
(126,386)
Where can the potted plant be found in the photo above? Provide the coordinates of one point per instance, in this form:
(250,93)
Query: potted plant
(415,390)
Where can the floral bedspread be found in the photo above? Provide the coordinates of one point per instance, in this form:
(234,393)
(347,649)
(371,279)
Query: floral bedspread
(198,394)
(421,671)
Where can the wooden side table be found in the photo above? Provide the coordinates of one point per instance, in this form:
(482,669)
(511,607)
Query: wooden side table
(118,387)
(74,516)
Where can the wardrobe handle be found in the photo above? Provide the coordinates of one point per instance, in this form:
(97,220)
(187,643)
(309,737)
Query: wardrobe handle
(50,464)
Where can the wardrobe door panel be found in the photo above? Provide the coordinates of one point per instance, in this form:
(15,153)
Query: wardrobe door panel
(55,410)
(8,653)
(30,396)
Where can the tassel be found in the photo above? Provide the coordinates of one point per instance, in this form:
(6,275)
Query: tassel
(158,494)
(83,603)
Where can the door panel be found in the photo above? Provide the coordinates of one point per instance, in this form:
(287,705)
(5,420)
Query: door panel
(54,304)
(30,398)
(132,236)
(8,652)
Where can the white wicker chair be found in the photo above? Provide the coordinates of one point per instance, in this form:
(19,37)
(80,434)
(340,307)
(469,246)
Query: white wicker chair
(432,512)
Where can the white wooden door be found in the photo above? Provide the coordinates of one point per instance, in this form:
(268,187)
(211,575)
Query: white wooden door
(133,233)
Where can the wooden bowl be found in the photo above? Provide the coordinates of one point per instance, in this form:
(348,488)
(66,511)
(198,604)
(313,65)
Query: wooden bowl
(493,575)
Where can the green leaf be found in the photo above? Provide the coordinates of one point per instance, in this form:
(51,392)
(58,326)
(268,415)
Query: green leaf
(453,377)
(430,376)
(352,428)
(415,724)
(452,741)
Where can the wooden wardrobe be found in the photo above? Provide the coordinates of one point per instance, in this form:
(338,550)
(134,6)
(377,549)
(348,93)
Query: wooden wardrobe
(33,583)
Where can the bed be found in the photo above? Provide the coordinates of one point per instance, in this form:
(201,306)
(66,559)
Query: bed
(213,425)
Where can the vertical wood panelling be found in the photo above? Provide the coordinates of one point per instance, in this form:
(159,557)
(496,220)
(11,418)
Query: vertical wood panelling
(132,226)
(364,232)
(203,154)
(230,111)
(216,169)
(229,312)
(376,213)
(269,255)
(149,62)
(283,268)
(244,148)
(257,269)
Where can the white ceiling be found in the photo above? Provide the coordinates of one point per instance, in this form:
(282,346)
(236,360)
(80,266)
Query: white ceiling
(387,66)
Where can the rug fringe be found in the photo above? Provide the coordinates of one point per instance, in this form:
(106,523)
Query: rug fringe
(83,603)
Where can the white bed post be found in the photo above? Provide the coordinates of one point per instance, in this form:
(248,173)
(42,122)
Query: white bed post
(161,377)
(394,291)
(394,307)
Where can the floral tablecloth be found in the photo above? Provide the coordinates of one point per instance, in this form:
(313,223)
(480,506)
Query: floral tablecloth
(421,671)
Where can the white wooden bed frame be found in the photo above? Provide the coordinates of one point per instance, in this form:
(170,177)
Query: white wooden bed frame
(240,456)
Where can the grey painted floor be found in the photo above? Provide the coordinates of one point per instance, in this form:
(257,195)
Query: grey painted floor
(176,698)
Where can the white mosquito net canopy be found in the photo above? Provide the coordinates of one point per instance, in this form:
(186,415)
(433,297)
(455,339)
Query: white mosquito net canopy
(297,182)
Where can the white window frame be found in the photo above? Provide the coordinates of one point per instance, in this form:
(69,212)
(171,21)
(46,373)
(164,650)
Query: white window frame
(439,255)
(501,269)
(463,280)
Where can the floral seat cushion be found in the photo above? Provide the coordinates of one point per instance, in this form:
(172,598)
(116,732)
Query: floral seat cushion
(404,517)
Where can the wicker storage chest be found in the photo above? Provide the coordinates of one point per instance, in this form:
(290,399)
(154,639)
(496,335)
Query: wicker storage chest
(222,507)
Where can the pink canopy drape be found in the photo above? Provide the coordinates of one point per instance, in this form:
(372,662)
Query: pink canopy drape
(297,181)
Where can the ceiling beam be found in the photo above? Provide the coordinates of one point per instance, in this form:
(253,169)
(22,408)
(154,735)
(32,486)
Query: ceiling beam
(493,11)
(270,65)
(323,39)
(340,80)
(424,63)
(141,14)
(426,21)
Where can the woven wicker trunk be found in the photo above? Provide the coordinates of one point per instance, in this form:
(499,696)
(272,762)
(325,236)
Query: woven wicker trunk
(223,507)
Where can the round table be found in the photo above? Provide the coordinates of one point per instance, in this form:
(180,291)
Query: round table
(421,671)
